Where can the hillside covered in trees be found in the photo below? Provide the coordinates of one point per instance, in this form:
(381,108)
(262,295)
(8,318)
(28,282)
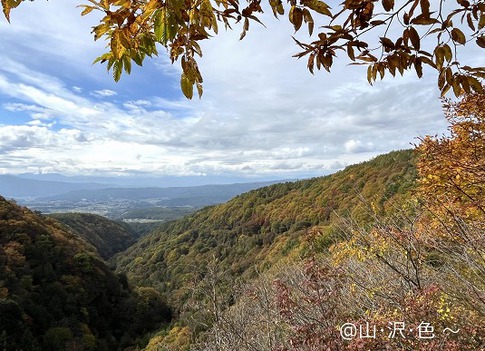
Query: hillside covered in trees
(56,293)
(384,255)
(107,236)
(258,228)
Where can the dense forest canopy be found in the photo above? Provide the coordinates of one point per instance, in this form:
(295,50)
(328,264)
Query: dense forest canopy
(56,293)
(107,236)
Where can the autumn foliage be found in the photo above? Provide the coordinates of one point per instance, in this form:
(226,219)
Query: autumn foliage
(409,278)
(424,266)
(57,294)
(388,36)
(452,168)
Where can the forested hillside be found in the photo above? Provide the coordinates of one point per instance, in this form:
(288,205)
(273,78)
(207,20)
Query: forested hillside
(107,236)
(384,255)
(256,229)
(57,294)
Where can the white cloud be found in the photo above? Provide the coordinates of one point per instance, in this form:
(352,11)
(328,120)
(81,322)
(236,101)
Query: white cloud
(52,35)
(261,112)
(104,93)
(356,146)
(302,136)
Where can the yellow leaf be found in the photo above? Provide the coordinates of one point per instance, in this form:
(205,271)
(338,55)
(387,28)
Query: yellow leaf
(318,6)
(116,45)
(187,86)
(87,9)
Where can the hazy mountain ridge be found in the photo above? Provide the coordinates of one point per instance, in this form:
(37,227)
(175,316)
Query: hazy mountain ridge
(16,187)
(212,193)
(120,203)
(142,180)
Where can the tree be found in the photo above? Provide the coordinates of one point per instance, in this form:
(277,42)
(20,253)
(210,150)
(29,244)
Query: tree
(386,36)
(452,188)
(452,168)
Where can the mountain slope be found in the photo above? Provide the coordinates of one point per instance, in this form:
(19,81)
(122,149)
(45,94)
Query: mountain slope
(107,236)
(57,294)
(255,229)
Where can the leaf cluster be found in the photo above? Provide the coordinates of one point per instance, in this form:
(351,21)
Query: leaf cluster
(386,36)
(452,168)
(420,21)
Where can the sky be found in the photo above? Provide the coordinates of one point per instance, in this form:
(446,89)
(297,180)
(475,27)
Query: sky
(262,115)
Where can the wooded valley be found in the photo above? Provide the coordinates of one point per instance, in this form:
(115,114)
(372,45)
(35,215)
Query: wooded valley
(383,255)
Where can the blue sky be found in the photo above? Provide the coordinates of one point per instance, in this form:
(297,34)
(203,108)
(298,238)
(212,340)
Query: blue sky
(262,114)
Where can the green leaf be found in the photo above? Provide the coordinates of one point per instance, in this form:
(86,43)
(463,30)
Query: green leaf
(159,25)
(127,64)
(165,26)
(117,70)
(138,58)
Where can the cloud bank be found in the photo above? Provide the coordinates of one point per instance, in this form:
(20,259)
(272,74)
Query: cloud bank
(262,113)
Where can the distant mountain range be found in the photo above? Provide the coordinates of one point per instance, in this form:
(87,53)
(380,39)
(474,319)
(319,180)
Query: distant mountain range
(114,201)
(176,196)
(16,187)
(141,180)
(56,186)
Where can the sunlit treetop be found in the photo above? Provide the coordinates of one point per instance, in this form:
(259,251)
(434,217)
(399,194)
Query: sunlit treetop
(385,35)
